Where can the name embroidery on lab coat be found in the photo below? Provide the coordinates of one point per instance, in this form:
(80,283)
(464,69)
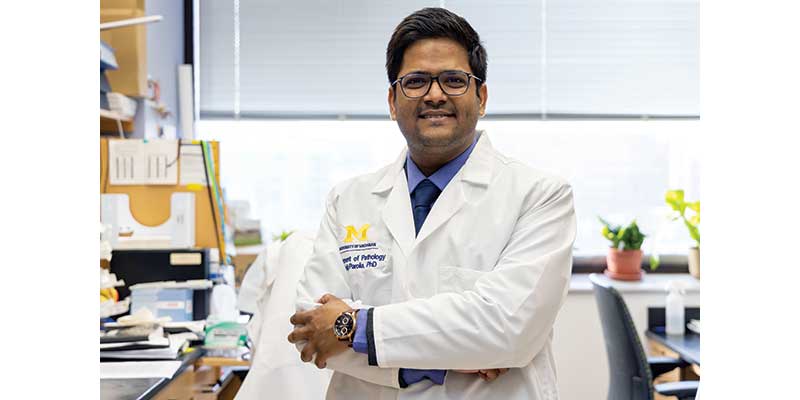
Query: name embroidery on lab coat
(361,260)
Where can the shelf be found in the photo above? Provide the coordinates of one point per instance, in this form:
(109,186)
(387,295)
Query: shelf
(108,122)
(114,116)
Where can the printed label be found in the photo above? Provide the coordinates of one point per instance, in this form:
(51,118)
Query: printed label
(185,258)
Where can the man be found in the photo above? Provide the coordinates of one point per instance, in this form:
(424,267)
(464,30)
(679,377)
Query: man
(445,270)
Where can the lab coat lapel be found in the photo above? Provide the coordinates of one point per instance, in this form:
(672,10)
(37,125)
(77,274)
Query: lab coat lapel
(476,172)
(396,213)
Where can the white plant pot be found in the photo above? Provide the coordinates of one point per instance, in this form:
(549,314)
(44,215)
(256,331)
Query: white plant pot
(694,262)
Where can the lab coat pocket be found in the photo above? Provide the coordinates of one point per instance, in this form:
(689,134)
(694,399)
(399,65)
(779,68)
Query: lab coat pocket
(369,273)
(457,280)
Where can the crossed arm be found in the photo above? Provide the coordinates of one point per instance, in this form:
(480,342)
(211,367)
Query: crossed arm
(315,327)
(511,308)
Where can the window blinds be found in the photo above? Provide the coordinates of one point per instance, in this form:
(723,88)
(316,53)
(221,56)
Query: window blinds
(547,58)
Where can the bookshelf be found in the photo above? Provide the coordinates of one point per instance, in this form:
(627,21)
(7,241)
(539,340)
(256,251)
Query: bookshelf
(123,53)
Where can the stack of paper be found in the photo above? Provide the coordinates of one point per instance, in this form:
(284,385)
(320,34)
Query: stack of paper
(142,336)
(168,349)
(121,104)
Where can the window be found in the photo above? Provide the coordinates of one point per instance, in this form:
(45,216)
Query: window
(618,169)
(547,58)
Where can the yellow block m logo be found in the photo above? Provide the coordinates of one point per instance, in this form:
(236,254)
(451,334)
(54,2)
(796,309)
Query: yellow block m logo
(352,233)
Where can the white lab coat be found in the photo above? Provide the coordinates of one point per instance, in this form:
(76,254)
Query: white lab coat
(479,287)
(277,371)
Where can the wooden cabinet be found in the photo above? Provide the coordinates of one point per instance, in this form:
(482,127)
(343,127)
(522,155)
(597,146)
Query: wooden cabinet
(212,383)
(690,373)
(180,388)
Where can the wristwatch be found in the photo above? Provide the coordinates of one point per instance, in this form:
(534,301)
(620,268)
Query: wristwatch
(345,326)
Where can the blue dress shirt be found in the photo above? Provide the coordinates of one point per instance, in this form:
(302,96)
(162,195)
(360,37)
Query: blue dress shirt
(363,341)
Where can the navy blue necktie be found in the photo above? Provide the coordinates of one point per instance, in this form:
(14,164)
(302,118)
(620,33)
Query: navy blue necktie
(422,199)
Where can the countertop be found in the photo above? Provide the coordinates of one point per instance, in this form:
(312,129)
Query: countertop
(649,283)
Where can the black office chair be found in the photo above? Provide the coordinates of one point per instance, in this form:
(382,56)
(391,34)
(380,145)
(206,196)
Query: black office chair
(631,372)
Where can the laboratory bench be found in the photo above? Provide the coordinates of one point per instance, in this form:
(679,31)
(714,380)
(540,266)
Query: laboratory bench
(179,386)
(198,378)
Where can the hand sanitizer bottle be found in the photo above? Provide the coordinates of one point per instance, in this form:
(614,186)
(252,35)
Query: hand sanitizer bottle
(675,310)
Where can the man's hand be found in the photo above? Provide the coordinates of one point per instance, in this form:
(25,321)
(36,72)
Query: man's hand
(317,329)
(487,375)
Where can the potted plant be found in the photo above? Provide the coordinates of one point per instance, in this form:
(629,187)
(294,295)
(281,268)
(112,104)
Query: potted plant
(624,259)
(675,200)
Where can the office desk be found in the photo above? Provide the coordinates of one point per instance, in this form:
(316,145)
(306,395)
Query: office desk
(686,346)
(154,388)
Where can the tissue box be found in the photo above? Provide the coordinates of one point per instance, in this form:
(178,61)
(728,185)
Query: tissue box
(163,302)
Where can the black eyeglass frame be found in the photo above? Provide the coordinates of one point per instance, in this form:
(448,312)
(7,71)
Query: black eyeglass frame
(436,79)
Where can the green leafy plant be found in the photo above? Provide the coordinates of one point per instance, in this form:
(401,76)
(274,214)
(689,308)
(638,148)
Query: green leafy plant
(283,235)
(623,238)
(675,200)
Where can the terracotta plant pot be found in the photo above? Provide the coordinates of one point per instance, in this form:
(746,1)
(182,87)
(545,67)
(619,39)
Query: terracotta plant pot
(625,265)
(694,262)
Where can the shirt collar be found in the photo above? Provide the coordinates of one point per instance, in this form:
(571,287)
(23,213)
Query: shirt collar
(443,175)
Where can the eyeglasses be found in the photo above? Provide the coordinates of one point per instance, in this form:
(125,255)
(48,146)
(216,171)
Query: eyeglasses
(418,84)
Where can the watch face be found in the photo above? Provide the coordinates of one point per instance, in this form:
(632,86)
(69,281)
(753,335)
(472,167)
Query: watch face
(343,325)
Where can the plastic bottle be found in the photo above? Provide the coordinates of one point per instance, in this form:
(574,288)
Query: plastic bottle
(674,309)
(223,304)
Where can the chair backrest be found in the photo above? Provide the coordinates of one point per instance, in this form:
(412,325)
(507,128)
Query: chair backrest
(630,377)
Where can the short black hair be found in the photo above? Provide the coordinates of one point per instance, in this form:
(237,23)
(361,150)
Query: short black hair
(430,23)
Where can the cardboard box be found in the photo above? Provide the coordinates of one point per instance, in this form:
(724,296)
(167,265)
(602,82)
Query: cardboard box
(131,4)
(130,47)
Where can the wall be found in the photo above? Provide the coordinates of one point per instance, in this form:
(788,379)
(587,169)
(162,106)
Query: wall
(165,51)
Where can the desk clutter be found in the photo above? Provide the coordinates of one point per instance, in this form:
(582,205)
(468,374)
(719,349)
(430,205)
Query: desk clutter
(194,359)
(143,336)
(165,356)
(161,323)
(165,273)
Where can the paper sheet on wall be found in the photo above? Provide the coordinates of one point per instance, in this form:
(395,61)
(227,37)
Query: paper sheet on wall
(193,170)
(140,162)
